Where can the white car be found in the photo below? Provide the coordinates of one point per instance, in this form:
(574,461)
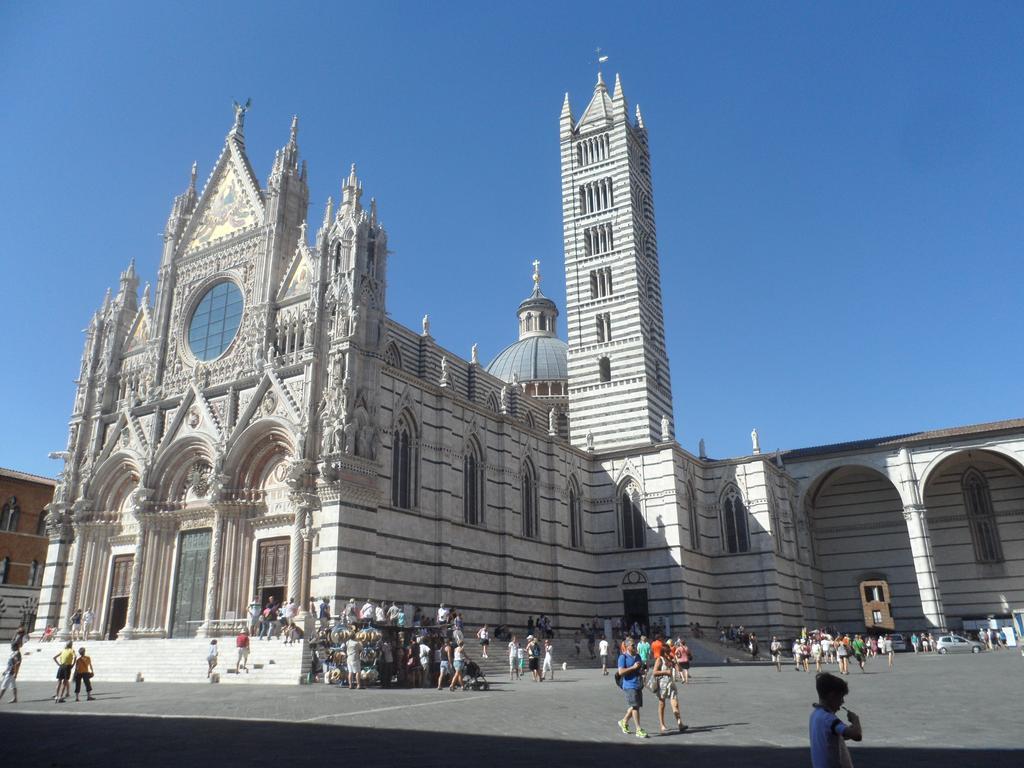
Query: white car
(957,644)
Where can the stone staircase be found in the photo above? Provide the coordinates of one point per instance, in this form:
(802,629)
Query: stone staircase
(173,661)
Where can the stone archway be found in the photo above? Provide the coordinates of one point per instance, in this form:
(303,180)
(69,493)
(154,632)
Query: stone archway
(972,498)
(857,523)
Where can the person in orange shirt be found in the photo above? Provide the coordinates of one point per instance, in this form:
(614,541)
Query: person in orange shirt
(83,673)
(656,646)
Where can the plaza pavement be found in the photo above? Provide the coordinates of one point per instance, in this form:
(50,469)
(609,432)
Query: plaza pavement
(932,711)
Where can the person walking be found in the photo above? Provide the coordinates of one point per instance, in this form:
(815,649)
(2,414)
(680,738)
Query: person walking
(828,734)
(887,649)
(683,656)
(663,675)
(547,670)
(87,620)
(10,676)
(859,650)
(576,640)
(65,660)
(816,653)
(424,657)
(242,644)
(76,624)
(443,657)
(752,646)
(602,649)
(211,658)
(253,612)
(842,654)
(459,663)
(629,673)
(533,656)
(776,651)
(484,635)
(83,673)
(513,658)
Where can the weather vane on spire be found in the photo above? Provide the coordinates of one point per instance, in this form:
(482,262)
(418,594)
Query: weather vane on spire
(601,57)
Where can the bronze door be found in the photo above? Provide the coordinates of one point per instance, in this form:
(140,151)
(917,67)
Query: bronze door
(190,589)
(120,587)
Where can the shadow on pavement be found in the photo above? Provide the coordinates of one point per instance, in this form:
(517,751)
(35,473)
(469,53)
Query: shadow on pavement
(158,742)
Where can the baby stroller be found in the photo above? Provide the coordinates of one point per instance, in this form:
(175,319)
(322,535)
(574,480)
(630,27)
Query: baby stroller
(474,677)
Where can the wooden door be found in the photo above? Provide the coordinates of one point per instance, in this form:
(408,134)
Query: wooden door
(190,588)
(272,570)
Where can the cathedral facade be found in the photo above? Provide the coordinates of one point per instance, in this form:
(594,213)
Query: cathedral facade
(259,426)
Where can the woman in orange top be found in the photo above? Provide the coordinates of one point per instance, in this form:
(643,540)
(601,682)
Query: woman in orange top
(83,673)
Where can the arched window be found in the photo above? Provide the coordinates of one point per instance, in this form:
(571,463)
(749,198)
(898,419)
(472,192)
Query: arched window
(403,466)
(9,515)
(575,516)
(392,356)
(5,569)
(33,573)
(691,506)
(529,500)
(981,517)
(472,487)
(604,367)
(337,257)
(41,525)
(632,528)
(735,537)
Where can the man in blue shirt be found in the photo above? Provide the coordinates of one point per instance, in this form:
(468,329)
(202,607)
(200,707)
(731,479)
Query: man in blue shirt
(630,674)
(828,732)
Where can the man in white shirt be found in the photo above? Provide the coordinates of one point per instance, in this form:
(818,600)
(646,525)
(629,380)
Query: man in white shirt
(393,613)
(602,649)
(442,614)
(367,611)
(289,612)
(87,619)
(425,662)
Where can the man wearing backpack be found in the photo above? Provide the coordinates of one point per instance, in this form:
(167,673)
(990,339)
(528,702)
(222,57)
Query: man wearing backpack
(629,676)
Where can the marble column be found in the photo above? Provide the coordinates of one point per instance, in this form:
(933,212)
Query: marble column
(58,558)
(212,578)
(924,565)
(295,555)
(71,585)
(128,630)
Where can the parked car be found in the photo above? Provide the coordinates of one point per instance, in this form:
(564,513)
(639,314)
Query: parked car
(957,644)
(900,642)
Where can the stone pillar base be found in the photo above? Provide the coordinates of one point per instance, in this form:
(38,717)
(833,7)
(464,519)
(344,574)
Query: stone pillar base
(125,633)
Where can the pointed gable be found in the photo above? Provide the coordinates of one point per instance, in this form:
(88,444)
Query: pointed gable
(230,203)
(600,108)
(139,333)
(298,277)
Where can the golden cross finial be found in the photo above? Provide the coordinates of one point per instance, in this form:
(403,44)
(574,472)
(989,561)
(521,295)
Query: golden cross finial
(536,273)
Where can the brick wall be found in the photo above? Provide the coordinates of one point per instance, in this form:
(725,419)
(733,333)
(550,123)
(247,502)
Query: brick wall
(24,545)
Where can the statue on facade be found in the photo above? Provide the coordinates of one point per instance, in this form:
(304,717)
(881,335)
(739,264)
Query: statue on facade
(426,325)
(590,440)
(700,449)
(445,375)
(472,356)
(755,441)
(552,426)
(504,399)
(665,436)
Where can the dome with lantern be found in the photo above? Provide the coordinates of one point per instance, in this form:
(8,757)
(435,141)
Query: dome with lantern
(538,360)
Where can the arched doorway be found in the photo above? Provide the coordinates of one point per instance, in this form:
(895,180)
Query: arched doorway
(857,527)
(972,499)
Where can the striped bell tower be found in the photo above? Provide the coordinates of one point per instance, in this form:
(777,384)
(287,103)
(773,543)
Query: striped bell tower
(619,387)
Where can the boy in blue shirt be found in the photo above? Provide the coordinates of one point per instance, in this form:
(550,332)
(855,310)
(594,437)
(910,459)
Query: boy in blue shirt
(630,674)
(828,732)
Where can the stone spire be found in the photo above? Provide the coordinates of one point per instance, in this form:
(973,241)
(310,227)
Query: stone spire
(351,191)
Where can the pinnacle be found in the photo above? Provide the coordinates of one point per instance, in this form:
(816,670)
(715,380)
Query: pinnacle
(639,117)
(192,181)
(600,80)
(294,130)
(617,93)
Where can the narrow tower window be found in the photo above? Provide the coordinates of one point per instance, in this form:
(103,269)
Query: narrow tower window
(604,367)
(980,515)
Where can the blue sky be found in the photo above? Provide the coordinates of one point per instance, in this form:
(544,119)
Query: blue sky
(838,187)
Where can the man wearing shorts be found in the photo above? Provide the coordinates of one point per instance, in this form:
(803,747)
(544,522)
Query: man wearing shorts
(630,675)
(602,648)
(485,640)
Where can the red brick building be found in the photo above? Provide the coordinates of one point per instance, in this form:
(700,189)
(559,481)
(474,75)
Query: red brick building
(23,541)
